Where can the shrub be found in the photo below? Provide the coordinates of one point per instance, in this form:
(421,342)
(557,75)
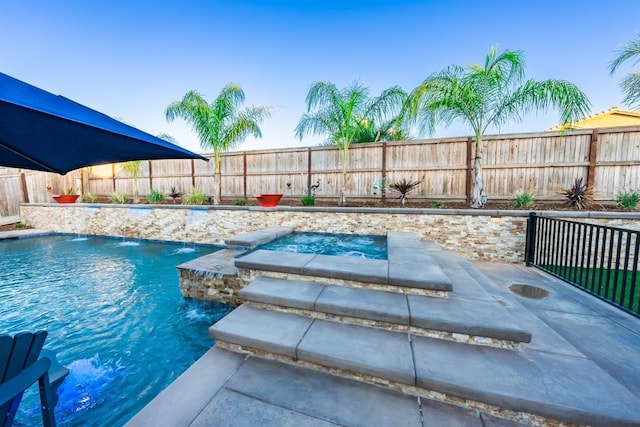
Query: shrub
(69,191)
(524,199)
(196,197)
(119,198)
(308,201)
(89,197)
(241,202)
(437,204)
(403,188)
(628,199)
(373,204)
(579,195)
(174,194)
(155,197)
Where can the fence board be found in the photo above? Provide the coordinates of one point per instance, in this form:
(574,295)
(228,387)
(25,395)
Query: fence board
(544,163)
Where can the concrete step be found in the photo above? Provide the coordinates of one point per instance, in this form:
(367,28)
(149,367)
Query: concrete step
(255,238)
(549,385)
(419,272)
(482,322)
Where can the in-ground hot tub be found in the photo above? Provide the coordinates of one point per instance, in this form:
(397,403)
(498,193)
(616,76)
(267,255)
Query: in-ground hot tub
(352,245)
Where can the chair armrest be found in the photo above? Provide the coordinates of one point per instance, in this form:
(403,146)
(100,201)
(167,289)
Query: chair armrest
(23,380)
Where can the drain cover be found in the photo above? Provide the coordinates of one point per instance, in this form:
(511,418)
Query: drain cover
(529,291)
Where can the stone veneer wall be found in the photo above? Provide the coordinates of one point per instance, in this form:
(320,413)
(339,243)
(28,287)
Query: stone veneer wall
(476,234)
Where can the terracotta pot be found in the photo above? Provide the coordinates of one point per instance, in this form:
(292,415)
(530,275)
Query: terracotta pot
(65,198)
(268,200)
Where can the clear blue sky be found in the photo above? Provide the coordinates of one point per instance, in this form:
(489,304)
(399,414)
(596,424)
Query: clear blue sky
(130,59)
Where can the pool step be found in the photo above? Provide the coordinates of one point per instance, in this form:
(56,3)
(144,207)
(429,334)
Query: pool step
(420,273)
(473,321)
(255,238)
(513,383)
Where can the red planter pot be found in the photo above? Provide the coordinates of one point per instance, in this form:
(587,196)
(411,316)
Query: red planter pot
(268,200)
(65,198)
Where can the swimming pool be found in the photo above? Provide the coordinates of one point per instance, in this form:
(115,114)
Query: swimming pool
(353,245)
(115,318)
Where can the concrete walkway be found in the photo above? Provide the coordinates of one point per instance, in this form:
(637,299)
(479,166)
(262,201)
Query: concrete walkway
(579,366)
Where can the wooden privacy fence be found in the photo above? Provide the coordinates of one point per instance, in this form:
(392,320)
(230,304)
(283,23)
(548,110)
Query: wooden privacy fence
(608,159)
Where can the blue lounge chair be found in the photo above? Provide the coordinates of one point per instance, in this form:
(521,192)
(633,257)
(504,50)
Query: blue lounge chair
(19,369)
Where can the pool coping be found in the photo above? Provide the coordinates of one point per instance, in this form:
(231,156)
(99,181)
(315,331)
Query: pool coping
(27,232)
(407,260)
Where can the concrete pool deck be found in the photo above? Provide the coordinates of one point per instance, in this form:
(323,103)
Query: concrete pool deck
(579,368)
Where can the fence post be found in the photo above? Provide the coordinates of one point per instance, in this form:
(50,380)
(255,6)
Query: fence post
(113,176)
(150,176)
(593,154)
(309,171)
(193,175)
(25,188)
(244,175)
(383,191)
(467,189)
(530,243)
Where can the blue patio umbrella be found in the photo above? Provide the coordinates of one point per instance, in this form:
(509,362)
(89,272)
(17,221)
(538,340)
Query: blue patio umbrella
(47,132)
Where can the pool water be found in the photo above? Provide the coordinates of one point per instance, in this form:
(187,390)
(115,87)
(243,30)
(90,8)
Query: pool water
(353,245)
(115,318)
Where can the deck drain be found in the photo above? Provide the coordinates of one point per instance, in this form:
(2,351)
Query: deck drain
(529,291)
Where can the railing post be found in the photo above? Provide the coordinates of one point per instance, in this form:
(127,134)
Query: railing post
(530,244)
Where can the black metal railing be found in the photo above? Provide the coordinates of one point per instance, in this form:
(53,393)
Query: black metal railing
(598,259)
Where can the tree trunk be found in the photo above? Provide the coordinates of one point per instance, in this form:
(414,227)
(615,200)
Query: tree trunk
(217,180)
(217,184)
(476,195)
(343,184)
(136,196)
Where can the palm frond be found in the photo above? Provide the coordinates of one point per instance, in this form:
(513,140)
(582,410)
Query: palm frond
(572,103)
(630,86)
(628,52)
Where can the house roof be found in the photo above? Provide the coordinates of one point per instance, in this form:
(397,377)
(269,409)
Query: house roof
(613,117)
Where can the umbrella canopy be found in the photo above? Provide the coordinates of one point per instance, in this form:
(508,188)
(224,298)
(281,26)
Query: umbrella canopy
(46,132)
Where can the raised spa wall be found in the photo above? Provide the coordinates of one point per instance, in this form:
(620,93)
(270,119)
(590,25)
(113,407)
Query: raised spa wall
(476,234)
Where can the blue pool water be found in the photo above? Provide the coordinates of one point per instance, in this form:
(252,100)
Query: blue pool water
(354,245)
(115,317)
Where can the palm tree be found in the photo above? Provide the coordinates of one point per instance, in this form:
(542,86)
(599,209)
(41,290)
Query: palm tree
(391,130)
(133,167)
(490,95)
(631,83)
(347,116)
(221,125)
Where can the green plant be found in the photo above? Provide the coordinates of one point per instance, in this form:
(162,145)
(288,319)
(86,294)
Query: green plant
(524,199)
(221,125)
(630,85)
(403,188)
(241,202)
(489,95)
(174,194)
(155,196)
(437,204)
(133,167)
(69,191)
(119,198)
(628,199)
(348,116)
(20,225)
(308,201)
(89,197)
(196,197)
(579,195)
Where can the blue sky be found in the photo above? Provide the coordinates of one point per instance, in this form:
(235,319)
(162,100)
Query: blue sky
(130,59)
